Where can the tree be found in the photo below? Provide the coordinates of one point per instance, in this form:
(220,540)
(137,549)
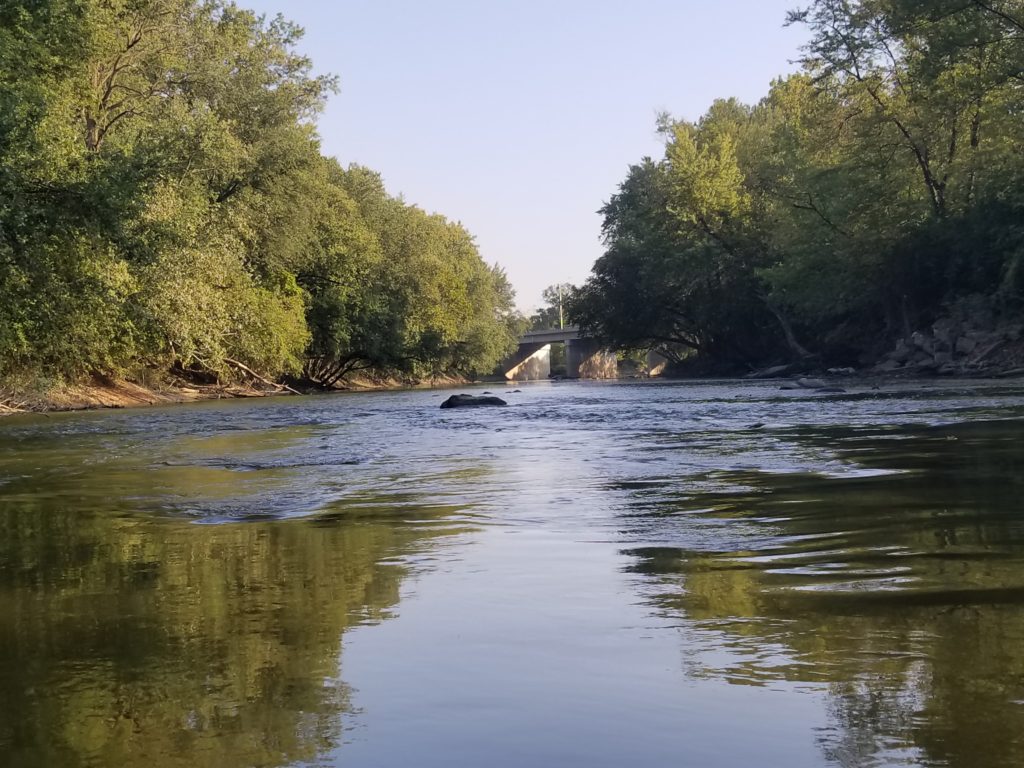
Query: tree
(164,203)
(553,313)
(856,202)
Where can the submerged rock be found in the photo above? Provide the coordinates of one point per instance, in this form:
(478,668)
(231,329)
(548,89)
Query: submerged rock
(811,383)
(770,373)
(468,401)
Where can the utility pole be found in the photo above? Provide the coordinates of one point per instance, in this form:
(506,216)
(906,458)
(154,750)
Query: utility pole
(561,317)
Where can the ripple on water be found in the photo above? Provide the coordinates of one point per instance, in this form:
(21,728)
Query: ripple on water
(866,551)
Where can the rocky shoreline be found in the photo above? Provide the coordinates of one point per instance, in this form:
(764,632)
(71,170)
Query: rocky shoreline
(958,348)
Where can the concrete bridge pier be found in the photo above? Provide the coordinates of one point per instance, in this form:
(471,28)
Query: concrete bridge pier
(656,364)
(584,359)
(531,362)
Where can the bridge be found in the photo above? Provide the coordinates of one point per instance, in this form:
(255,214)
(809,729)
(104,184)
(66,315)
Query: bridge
(584,359)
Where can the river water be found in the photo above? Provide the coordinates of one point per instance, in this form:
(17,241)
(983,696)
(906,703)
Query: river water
(652,574)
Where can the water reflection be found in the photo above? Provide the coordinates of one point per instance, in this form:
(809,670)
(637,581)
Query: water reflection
(901,588)
(133,641)
(840,580)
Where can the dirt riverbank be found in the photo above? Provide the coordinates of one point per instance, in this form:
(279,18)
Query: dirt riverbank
(106,392)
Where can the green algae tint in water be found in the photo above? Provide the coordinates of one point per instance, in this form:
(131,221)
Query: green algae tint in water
(713,574)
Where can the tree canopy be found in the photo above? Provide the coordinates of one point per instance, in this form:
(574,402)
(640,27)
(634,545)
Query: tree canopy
(164,202)
(860,199)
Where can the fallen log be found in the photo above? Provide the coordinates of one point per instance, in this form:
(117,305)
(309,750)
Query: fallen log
(1009,374)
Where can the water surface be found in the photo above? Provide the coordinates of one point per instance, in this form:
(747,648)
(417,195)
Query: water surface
(713,574)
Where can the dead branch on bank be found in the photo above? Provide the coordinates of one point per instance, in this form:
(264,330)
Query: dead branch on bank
(9,405)
(246,369)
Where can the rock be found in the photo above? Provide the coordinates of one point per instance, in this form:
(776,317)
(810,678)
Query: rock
(942,358)
(811,383)
(945,332)
(831,390)
(966,344)
(902,353)
(888,366)
(468,401)
(924,342)
(948,370)
(842,371)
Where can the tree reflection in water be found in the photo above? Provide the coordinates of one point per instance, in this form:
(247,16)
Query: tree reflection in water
(140,641)
(902,592)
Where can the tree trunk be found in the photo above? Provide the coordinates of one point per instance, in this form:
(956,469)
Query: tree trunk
(795,346)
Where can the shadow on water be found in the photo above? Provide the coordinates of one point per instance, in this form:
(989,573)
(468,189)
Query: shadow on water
(900,587)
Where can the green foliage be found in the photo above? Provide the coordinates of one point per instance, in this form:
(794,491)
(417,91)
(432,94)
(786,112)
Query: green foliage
(401,292)
(163,201)
(553,313)
(858,199)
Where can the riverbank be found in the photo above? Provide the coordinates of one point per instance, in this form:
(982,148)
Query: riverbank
(107,392)
(951,349)
(103,392)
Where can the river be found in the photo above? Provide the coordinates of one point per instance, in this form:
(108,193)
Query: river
(656,573)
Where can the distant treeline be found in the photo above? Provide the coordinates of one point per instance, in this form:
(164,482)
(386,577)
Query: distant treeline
(863,198)
(164,204)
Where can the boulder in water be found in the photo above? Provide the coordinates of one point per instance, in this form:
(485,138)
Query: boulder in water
(468,401)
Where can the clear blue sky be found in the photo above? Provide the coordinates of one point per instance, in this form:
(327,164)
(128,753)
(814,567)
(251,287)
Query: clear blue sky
(519,118)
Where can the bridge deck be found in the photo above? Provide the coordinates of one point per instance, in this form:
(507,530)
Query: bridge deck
(551,336)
